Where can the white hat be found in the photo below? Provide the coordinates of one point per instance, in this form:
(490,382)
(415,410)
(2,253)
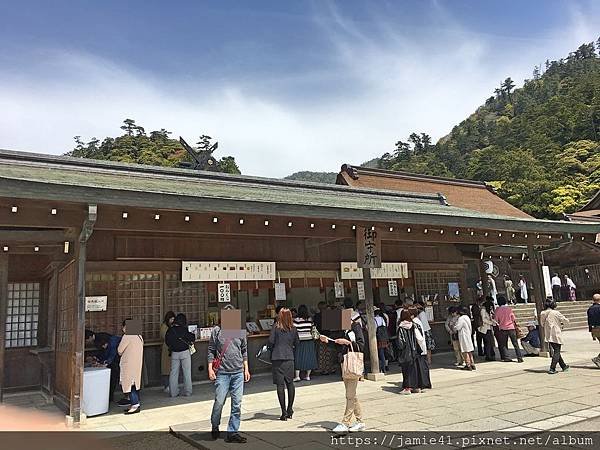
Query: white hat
(531,323)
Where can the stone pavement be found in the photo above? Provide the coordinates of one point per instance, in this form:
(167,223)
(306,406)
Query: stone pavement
(497,396)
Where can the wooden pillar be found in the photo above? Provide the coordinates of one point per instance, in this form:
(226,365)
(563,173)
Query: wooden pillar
(3,307)
(374,374)
(538,287)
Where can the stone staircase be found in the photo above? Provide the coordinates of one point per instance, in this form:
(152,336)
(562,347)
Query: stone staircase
(576,312)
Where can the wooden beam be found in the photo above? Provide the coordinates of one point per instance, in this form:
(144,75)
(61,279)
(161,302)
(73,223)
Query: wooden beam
(3,311)
(39,237)
(537,280)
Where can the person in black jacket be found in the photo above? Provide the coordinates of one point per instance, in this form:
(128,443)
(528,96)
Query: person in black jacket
(354,338)
(282,343)
(179,339)
(593,316)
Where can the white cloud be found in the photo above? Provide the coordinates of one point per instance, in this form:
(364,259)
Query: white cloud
(398,81)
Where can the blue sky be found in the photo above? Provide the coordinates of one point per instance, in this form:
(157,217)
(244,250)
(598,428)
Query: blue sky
(284,86)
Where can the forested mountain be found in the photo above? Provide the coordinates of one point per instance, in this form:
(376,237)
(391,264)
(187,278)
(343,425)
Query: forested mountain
(319,177)
(155,148)
(539,145)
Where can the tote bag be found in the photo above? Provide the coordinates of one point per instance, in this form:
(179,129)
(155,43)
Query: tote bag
(352,365)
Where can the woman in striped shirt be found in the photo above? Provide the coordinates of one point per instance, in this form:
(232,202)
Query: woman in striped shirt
(306,354)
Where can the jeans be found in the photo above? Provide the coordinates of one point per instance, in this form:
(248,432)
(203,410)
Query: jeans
(556,357)
(183,359)
(232,383)
(504,335)
(530,349)
(134,396)
(381,355)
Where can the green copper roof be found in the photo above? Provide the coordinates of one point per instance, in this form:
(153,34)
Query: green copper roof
(24,175)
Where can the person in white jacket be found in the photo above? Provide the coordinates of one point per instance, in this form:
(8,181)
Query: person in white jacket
(464,330)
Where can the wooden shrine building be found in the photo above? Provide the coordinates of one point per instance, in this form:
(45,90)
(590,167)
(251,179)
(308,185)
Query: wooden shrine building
(73,228)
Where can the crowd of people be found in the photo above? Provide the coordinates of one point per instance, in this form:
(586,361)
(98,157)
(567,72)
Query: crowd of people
(300,344)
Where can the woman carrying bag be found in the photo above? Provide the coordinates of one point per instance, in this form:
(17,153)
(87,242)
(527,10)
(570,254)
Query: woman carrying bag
(408,353)
(282,342)
(350,355)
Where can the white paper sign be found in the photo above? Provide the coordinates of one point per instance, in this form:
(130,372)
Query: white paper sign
(429,312)
(96,303)
(393,288)
(224,292)
(205,333)
(547,281)
(351,271)
(339,289)
(360,288)
(227,271)
(280,294)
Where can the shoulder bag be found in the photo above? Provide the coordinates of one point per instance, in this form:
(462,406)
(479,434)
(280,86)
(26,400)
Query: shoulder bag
(216,363)
(352,365)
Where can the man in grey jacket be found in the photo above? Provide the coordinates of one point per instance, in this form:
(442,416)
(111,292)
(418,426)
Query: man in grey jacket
(230,347)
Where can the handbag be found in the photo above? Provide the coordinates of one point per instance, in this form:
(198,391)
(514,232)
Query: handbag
(352,365)
(191,346)
(216,363)
(519,332)
(315,333)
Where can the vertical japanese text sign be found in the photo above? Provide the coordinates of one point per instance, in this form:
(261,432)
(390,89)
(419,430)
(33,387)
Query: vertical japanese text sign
(368,248)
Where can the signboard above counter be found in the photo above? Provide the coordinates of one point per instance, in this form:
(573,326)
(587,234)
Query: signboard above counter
(227,271)
(351,271)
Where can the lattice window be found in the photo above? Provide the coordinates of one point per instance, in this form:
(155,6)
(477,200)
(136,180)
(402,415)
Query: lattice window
(189,298)
(430,283)
(22,314)
(66,304)
(130,294)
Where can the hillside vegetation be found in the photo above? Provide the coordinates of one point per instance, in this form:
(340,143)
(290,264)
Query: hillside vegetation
(539,145)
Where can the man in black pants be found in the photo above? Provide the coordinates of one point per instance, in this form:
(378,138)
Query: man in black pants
(506,322)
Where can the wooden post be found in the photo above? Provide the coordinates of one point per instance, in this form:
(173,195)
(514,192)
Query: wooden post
(374,374)
(79,318)
(3,307)
(538,290)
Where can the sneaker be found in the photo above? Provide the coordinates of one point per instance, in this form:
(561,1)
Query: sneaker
(596,361)
(124,402)
(415,391)
(566,368)
(473,367)
(340,429)
(508,360)
(467,368)
(166,390)
(306,379)
(297,379)
(458,364)
(520,360)
(405,391)
(236,438)
(552,371)
(215,433)
(358,426)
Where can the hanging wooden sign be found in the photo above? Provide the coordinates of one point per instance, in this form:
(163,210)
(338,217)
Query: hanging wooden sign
(368,248)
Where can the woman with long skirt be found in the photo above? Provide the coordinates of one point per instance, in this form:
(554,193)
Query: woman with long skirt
(422,362)
(408,352)
(306,351)
(282,342)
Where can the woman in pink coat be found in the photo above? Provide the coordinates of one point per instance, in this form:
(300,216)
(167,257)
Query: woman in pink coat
(131,350)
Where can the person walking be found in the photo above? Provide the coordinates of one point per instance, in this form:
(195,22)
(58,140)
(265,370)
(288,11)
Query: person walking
(463,328)
(179,340)
(165,354)
(282,342)
(231,352)
(506,319)
(571,288)
(552,322)
(523,294)
(421,362)
(131,350)
(510,290)
(556,285)
(408,352)
(487,329)
(353,340)
(593,318)
(306,355)
(449,325)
